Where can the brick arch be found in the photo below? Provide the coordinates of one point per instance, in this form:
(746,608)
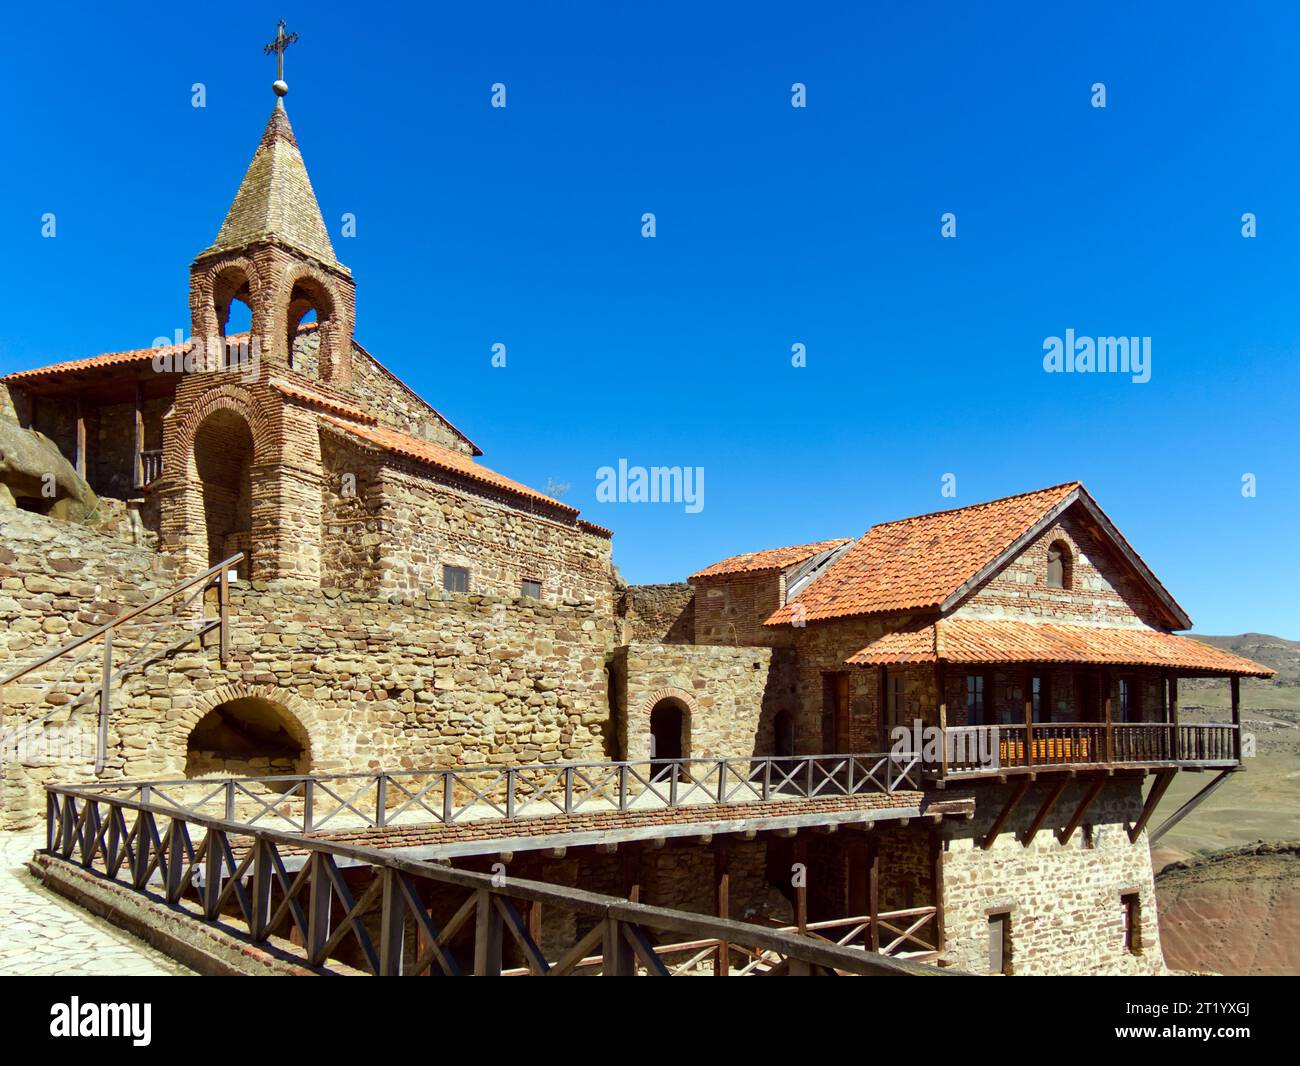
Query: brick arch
(679,694)
(325,296)
(225,397)
(688,709)
(205,319)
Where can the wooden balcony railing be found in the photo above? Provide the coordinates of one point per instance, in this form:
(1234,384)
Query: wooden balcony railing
(984,749)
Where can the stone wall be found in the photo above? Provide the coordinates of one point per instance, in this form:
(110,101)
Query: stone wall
(731,696)
(658,614)
(464,680)
(1103,592)
(381,391)
(417,521)
(1064,900)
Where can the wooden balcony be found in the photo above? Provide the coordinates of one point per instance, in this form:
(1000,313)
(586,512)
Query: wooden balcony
(996,750)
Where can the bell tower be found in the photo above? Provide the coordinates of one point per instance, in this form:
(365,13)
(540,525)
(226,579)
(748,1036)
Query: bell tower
(273,253)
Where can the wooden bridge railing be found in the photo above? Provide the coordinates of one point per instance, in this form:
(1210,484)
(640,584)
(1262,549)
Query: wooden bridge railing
(975,749)
(233,875)
(340,801)
(124,650)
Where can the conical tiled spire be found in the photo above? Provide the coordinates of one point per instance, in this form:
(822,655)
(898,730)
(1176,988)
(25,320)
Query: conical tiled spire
(275,200)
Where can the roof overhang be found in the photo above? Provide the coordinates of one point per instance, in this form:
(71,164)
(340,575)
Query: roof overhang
(992,642)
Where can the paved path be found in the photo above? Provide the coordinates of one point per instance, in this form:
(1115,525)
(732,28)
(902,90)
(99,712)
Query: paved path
(42,934)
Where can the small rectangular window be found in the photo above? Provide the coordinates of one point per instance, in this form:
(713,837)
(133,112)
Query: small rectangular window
(531,588)
(1000,943)
(1132,904)
(975,699)
(455,579)
(1042,697)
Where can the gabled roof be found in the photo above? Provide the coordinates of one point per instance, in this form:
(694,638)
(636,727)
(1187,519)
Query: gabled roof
(931,562)
(771,559)
(448,460)
(989,641)
(275,200)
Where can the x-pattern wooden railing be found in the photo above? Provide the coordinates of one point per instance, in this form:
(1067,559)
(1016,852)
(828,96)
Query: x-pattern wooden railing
(236,876)
(184,603)
(339,801)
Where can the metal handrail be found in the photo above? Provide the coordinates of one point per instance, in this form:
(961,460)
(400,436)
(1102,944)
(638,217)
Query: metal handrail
(126,616)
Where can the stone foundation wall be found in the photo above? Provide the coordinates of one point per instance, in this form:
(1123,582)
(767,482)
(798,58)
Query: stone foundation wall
(435,682)
(1064,900)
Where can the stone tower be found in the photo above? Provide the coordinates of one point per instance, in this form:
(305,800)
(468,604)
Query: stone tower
(273,252)
(241,461)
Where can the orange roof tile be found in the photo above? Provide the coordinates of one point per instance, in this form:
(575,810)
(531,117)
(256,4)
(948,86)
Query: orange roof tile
(917,563)
(319,398)
(443,458)
(137,355)
(987,641)
(771,559)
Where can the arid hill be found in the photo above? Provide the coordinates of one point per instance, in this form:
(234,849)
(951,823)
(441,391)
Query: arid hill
(1235,912)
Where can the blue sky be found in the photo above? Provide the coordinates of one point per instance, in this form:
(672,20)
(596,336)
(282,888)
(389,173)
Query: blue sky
(775,226)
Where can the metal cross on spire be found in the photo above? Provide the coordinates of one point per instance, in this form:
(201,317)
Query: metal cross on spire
(281,42)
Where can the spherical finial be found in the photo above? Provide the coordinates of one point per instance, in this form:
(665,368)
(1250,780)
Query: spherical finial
(280,87)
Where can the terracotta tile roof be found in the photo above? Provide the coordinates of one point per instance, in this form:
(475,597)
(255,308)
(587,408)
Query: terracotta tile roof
(987,641)
(136,355)
(319,398)
(444,458)
(917,563)
(771,559)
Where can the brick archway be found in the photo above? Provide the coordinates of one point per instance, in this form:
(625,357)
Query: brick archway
(304,288)
(655,714)
(216,451)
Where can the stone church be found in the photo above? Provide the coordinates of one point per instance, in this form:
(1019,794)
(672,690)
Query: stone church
(390,603)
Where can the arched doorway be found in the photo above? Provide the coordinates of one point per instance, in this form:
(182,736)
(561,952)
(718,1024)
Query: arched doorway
(247,737)
(668,730)
(783,734)
(223,456)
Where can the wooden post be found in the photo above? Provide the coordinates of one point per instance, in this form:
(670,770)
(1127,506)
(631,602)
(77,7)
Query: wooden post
(801,889)
(392,925)
(722,883)
(1236,717)
(1029,717)
(1106,707)
(105,703)
(139,435)
(1175,747)
(856,900)
(81,439)
(873,891)
(936,885)
(882,705)
(943,719)
(487,937)
(223,627)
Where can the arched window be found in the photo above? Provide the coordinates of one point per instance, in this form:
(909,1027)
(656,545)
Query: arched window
(1060,565)
(310,323)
